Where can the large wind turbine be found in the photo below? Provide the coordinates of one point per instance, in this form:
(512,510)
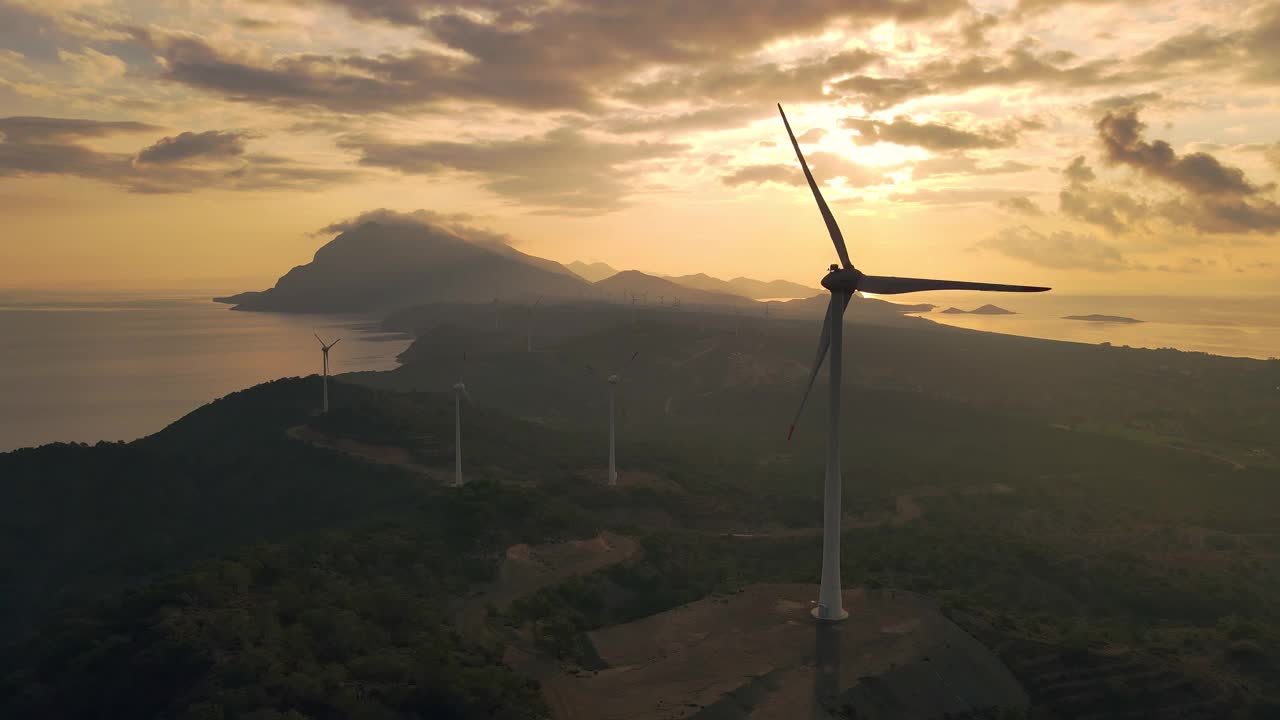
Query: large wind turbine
(459,392)
(843,280)
(325,349)
(613,381)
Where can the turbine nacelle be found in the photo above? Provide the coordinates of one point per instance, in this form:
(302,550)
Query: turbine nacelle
(459,387)
(613,379)
(842,280)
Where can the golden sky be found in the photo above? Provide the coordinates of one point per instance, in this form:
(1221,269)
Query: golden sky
(1096,146)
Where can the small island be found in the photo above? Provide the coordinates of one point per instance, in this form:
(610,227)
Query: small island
(984,310)
(1103,319)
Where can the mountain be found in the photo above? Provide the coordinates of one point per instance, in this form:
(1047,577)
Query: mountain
(984,310)
(378,266)
(591,272)
(663,290)
(746,287)
(1103,319)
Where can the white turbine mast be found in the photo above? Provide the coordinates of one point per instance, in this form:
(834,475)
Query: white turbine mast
(459,392)
(325,381)
(842,281)
(613,381)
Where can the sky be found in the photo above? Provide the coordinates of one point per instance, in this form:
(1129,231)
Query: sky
(1095,146)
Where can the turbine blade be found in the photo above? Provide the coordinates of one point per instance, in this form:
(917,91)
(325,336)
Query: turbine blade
(896,286)
(824,344)
(319,340)
(467,395)
(836,237)
(335,342)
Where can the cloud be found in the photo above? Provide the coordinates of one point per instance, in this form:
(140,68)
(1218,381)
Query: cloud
(213,144)
(761,174)
(93,66)
(812,135)
(459,224)
(974,31)
(1060,249)
(711,118)
(1034,7)
(1018,65)
(959,164)
(1080,200)
(742,83)
(1199,173)
(562,169)
(1272,154)
(32,146)
(953,196)
(1020,205)
(931,135)
(825,166)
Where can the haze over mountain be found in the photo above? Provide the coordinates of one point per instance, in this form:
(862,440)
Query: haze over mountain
(384,260)
(987,309)
(746,287)
(591,272)
(659,289)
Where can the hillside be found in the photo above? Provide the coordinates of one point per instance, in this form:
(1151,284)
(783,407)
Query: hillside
(385,265)
(746,287)
(621,286)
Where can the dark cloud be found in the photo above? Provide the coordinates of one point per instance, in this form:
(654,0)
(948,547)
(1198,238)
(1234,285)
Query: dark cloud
(825,166)
(760,84)
(1060,249)
(545,55)
(760,174)
(54,146)
(562,170)
(1080,200)
(1199,173)
(1018,65)
(974,31)
(211,144)
(1020,205)
(41,129)
(1034,7)
(1121,102)
(933,136)
(712,118)
(1253,52)
(461,225)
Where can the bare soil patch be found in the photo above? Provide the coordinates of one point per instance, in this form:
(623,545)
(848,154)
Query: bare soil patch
(758,654)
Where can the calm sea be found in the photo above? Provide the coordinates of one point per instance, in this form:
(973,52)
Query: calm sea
(1240,327)
(119,368)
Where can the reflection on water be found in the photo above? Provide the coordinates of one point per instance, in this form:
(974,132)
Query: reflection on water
(1241,327)
(89,369)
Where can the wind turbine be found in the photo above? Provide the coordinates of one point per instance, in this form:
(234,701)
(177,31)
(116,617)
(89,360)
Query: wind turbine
(613,381)
(325,349)
(842,281)
(459,391)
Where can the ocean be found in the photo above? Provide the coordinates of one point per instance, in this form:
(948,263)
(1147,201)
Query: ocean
(89,368)
(1236,327)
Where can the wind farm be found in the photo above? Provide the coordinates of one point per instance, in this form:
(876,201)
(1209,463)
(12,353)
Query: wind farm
(575,455)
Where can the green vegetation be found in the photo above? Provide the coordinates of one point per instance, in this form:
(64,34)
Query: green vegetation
(1105,519)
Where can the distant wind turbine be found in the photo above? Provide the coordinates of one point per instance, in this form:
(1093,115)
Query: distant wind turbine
(325,382)
(842,281)
(459,392)
(613,381)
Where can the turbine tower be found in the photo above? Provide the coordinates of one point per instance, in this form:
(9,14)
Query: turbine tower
(325,382)
(459,392)
(842,281)
(613,381)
